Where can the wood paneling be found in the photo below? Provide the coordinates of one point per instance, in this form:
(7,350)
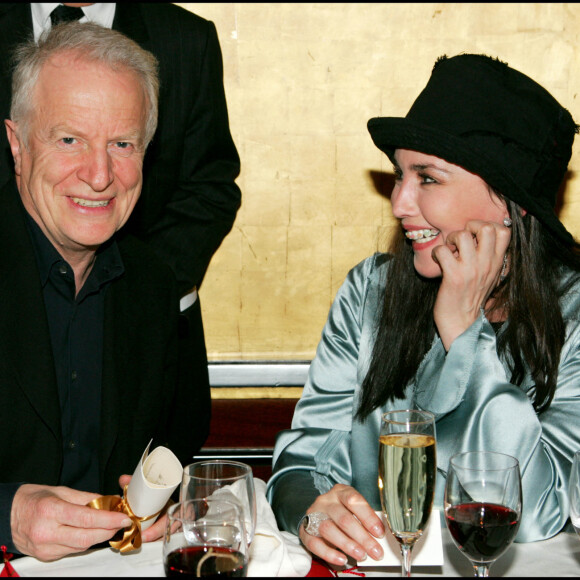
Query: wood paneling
(246,429)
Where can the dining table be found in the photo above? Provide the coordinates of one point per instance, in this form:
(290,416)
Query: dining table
(555,557)
(558,556)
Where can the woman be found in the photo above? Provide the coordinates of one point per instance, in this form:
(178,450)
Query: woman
(474,315)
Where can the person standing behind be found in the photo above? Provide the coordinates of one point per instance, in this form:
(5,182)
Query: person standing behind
(88,313)
(189,199)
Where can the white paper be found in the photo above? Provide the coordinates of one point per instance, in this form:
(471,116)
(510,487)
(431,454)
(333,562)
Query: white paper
(153,482)
(427,551)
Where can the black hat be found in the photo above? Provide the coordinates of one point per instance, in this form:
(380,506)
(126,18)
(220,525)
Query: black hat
(480,114)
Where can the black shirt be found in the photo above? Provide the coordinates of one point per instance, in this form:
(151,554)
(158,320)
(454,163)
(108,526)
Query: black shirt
(76,332)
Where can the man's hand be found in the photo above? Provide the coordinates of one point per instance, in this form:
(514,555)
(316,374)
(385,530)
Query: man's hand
(50,522)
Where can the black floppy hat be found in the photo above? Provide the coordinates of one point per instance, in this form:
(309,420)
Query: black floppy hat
(490,119)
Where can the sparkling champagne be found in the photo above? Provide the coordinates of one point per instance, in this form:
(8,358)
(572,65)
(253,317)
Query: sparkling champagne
(407,471)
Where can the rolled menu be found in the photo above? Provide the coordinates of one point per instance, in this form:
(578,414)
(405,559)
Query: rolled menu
(153,482)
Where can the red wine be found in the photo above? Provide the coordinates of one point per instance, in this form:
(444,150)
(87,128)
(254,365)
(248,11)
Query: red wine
(205,561)
(482,531)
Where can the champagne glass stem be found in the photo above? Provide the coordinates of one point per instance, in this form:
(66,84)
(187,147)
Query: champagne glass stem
(406,551)
(481,570)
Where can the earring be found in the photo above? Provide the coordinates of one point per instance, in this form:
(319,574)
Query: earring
(507,222)
(503,275)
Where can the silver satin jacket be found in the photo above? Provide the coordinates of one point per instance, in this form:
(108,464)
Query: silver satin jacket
(467,389)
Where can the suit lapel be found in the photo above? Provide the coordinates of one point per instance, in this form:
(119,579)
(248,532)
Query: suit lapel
(25,347)
(16,22)
(129,21)
(16,25)
(115,360)
(16,28)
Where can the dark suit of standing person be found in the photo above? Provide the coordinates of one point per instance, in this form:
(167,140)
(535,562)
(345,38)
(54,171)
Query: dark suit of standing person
(189,199)
(88,314)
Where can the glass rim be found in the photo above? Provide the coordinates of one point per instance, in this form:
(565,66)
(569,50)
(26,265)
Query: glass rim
(428,417)
(247,470)
(463,454)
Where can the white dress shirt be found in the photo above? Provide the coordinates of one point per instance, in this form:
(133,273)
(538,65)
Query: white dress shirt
(101,12)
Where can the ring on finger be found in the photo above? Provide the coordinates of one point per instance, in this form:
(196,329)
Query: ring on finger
(312,522)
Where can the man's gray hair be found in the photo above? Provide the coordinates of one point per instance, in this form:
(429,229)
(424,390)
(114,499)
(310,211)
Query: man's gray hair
(91,42)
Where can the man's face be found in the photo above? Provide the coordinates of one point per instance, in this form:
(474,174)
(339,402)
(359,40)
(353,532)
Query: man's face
(80,172)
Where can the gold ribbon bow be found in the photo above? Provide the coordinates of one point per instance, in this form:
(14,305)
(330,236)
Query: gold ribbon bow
(131,539)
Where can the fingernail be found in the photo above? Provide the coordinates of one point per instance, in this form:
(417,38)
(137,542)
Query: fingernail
(341,560)
(126,523)
(377,553)
(378,532)
(359,555)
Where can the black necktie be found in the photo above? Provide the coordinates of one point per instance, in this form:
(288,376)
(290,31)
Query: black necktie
(64,13)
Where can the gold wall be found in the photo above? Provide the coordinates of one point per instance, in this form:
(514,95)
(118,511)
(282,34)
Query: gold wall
(301,81)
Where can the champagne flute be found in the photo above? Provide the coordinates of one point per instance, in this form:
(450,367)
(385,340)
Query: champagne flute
(483,505)
(205,538)
(222,478)
(575,492)
(407,472)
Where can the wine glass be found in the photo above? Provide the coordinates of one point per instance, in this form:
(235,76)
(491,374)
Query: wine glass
(575,492)
(407,471)
(483,505)
(205,538)
(222,478)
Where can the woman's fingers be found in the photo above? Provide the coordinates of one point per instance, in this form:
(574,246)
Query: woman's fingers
(349,529)
(471,263)
(476,251)
(338,539)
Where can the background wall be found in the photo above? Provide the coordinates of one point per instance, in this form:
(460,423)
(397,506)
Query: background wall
(301,81)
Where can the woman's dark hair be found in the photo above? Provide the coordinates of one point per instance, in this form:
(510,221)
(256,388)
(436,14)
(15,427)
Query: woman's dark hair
(534,332)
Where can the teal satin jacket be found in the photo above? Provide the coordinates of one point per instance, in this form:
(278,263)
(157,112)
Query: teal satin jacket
(468,390)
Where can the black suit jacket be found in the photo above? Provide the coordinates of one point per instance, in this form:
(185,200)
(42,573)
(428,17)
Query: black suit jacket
(189,199)
(140,397)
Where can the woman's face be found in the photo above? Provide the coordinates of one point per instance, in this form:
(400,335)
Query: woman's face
(433,198)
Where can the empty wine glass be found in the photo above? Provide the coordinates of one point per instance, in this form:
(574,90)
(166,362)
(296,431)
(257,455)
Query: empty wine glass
(575,492)
(483,505)
(205,538)
(407,472)
(222,478)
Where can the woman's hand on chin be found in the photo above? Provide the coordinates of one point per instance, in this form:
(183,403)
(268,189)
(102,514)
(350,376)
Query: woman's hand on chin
(471,262)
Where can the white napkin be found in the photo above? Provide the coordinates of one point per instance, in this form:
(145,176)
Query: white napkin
(238,492)
(274,553)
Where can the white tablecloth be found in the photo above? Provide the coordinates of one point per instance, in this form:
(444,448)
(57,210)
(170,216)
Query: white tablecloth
(556,557)
(147,561)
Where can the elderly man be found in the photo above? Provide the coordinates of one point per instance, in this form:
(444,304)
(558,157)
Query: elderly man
(88,317)
(189,197)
